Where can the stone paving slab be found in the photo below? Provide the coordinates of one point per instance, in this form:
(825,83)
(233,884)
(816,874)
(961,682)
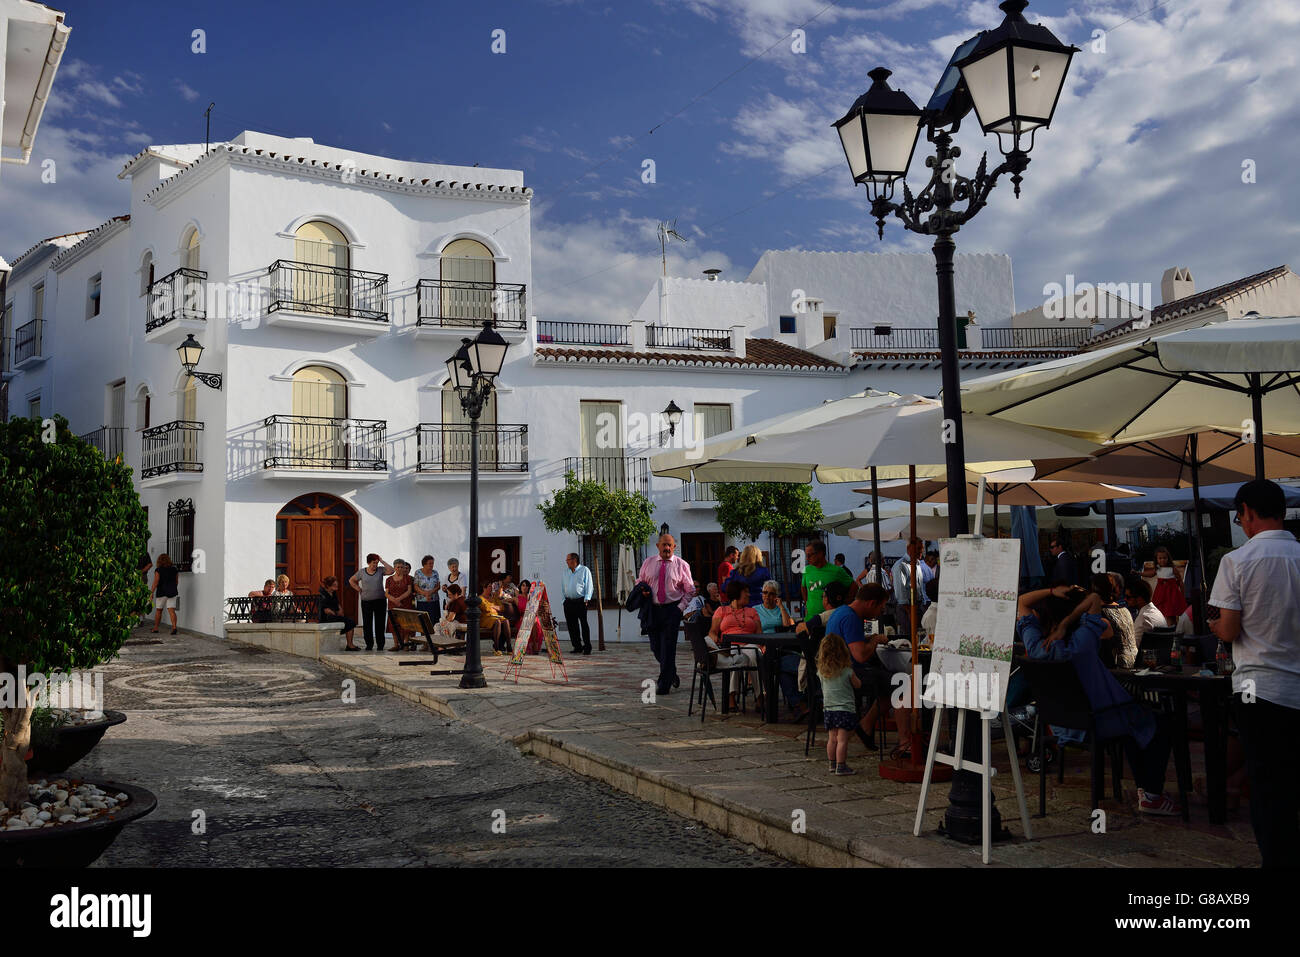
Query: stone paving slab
(749,780)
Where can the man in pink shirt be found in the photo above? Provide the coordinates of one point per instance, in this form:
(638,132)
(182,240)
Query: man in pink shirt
(671,586)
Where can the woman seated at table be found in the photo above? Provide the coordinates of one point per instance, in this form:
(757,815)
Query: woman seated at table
(1121,650)
(735,618)
(752,573)
(330,611)
(1064,624)
(772,615)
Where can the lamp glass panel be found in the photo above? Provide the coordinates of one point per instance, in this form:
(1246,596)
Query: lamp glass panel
(1035,99)
(986,79)
(890,138)
(190,352)
(851,136)
(487,358)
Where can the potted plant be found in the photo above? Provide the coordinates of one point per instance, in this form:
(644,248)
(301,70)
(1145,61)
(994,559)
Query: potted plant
(63,736)
(70,593)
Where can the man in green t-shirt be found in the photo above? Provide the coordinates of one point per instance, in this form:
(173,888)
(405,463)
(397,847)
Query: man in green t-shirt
(817,574)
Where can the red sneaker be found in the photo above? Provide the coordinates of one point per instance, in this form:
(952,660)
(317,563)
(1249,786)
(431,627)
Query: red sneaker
(1158,804)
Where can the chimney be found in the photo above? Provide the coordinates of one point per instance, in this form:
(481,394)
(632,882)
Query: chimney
(712,274)
(1176,283)
(809,324)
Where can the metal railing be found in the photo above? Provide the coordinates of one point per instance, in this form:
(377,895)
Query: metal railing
(321,442)
(681,337)
(699,492)
(109,439)
(182,294)
(457,304)
(1035,337)
(280,608)
(582,333)
(883,338)
(27,341)
(631,474)
(446,448)
(171,447)
(328,290)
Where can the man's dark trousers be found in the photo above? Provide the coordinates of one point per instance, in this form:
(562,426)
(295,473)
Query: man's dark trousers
(575,616)
(1268,734)
(664,621)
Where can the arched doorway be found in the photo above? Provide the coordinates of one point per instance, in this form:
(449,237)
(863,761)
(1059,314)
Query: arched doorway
(468,280)
(315,536)
(321,282)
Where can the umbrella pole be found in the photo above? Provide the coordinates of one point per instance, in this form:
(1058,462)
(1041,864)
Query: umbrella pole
(875,522)
(1257,415)
(1198,607)
(911,714)
(997,529)
(1111,533)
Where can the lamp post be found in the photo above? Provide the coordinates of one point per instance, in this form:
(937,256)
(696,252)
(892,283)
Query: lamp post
(472,372)
(190,352)
(1012,78)
(674,417)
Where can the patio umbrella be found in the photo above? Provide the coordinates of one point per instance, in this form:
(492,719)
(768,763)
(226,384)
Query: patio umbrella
(889,435)
(1225,376)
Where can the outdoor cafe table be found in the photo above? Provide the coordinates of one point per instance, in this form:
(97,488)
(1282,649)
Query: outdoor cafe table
(1214,692)
(773,643)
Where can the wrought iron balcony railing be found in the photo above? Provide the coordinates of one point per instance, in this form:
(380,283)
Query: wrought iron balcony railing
(884,338)
(182,294)
(681,337)
(27,341)
(467,305)
(277,608)
(631,474)
(171,447)
(699,492)
(582,333)
(1035,337)
(320,442)
(446,448)
(109,439)
(328,291)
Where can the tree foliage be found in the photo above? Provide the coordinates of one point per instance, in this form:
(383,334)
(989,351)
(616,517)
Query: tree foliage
(72,535)
(747,509)
(587,507)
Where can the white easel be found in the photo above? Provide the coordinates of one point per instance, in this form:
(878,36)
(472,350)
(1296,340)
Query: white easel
(985,767)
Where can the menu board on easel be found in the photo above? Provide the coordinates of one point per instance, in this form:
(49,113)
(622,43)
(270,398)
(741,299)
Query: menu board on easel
(975,631)
(526,622)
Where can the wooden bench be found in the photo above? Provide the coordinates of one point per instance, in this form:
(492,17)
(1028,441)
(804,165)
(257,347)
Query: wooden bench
(418,628)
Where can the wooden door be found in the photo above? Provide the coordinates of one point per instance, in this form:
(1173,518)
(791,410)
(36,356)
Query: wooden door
(496,556)
(703,552)
(315,551)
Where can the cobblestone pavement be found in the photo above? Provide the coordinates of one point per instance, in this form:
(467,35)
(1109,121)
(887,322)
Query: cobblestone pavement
(287,774)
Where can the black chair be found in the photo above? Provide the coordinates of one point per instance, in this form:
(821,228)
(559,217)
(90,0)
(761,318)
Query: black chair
(808,646)
(1160,640)
(707,665)
(1061,701)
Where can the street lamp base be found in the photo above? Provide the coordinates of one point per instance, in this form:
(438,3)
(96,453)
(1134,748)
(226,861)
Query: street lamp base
(966,824)
(473,681)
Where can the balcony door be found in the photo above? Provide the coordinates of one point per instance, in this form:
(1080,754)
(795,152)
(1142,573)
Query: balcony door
(321,284)
(710,419)
(456,434)
(320,398)
(186,441)
(603,453)
(467,261)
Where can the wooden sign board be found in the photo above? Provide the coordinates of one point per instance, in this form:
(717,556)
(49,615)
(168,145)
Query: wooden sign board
(526,622)
(975,631)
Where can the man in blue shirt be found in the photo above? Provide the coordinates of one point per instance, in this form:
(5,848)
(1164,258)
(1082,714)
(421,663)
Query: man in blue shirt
(846,621)
(1052,631)
(577,588)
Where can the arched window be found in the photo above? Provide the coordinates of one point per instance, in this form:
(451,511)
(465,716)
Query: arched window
(188,411)
(146,273)
(455,432)
(320,409)
(320,280)
(190,250)
(468,280)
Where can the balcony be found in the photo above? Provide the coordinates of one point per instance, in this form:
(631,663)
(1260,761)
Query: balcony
(1034,337)
(614,471)
(449,309)
(699,495)
(110,440)
(171,454)
(970,338)
(682,338)
(887,338)
(178,306)
(582,334)
(319,447)
(27,345)
(443,452)
(327,298)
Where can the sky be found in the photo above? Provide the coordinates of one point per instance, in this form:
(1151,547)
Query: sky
(1169,109)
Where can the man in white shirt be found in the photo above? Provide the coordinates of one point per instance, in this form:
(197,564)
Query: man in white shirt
(903,593)
(1257,592)
(1145,615)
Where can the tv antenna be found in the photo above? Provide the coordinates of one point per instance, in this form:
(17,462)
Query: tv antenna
(668,232)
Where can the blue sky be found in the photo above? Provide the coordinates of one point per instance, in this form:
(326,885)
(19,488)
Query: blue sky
(1141,170)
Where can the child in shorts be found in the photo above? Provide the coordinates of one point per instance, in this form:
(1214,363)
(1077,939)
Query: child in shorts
(834,667)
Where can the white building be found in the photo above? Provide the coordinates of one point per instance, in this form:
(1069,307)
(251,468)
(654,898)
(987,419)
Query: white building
(328,288)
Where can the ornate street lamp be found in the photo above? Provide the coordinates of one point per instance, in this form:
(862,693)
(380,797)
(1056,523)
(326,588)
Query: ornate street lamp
(674,417)
(1012,78)
(472,371)
(190,352)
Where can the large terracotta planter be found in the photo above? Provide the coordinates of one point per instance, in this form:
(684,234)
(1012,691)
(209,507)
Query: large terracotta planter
(74,845)
(74,743)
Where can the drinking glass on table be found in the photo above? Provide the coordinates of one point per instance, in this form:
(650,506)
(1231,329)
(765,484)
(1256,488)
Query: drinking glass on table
(1149,657)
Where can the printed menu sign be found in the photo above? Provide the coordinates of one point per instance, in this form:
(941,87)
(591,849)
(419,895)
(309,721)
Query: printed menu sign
(973,637)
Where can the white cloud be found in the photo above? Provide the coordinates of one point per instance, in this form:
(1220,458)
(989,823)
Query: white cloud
(188,92)
(95,90)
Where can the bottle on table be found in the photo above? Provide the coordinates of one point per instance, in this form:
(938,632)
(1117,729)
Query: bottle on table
(1223,660)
